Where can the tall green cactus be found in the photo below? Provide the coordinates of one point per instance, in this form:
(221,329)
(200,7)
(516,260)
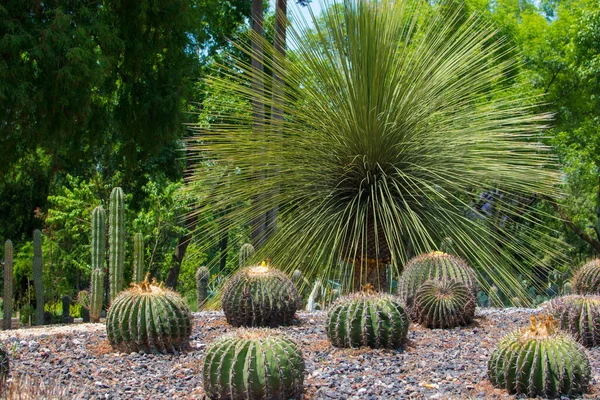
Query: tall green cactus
(116,241)
(138,257)
(246,253)
(8,283)
(202,277)
(38,283)
(98,257)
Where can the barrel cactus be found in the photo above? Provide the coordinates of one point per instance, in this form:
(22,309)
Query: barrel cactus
(579,315)
(444,304)
(587,279)
(148,318)
(246,253)
(540,361)
(367,319)
(253,364)
(260,296)
(202,278)
(116,241)
(8,284)
(435,265)
(38,283)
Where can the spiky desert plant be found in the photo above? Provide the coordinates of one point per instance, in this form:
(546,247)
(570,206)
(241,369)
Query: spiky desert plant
(98,261)
(202,278)
(148,318)
(435,265)
(38,283)
(116,241)
(255,364)
(260,296)
(579,315)
(587,279)
(246,253)
(444,304)
(540,361)
(8,285)
(138,258)
(389,125)
(367,319)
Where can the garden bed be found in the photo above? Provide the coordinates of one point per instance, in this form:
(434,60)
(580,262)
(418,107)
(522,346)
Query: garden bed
(435,364)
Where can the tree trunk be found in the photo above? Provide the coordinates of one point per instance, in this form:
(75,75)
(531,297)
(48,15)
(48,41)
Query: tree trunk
(373,274)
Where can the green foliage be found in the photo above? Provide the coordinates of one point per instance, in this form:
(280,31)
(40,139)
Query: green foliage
(540,361)
(435,265)
(260,296)
(202,278)
(7,294)
(148,318)
(116,241)
(138,258)
(444,304)
(579,315)
(37,271)
(364,319)
(587,278)
(253,364)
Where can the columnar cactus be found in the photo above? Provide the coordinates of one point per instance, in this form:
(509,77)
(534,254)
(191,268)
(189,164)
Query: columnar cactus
(579,315)
(367,319)
(98,259)
(540,361)
(587,279)
(116,241)
(8,284)
(567,288)
(38,283)
(444,304)
(202,278)
(494,297)
(148,318)
(253,364)
(435,265)
(138,258)
(4,367)
(66,309)
(260,296)
(246,253)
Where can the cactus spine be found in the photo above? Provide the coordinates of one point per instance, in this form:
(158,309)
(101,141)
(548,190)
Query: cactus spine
(246,253)
(8,284)
(202,277)
(38,284)
(138,257)
(116,241)
(98,254)
(253,364)
(444,304)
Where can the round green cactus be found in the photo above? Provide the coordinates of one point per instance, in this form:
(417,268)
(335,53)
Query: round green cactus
(540,361)
(444,304)
(367,319)
(253,364)
(148,318)
(587,278)
(579,315)
(435,265)
(260,296)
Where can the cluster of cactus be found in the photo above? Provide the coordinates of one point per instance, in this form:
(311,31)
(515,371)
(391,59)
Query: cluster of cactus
(540,361)
(38,283)
(587,278)
(138,258)
(202,278)
(579,315)
(253,364)
(8,284)
(116,241)
(444,304)
(260,296)
(246,253)
(367,319)
(98,254)
(435,265)
(148,318)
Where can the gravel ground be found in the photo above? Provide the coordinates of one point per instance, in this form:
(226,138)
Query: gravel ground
(435,364)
